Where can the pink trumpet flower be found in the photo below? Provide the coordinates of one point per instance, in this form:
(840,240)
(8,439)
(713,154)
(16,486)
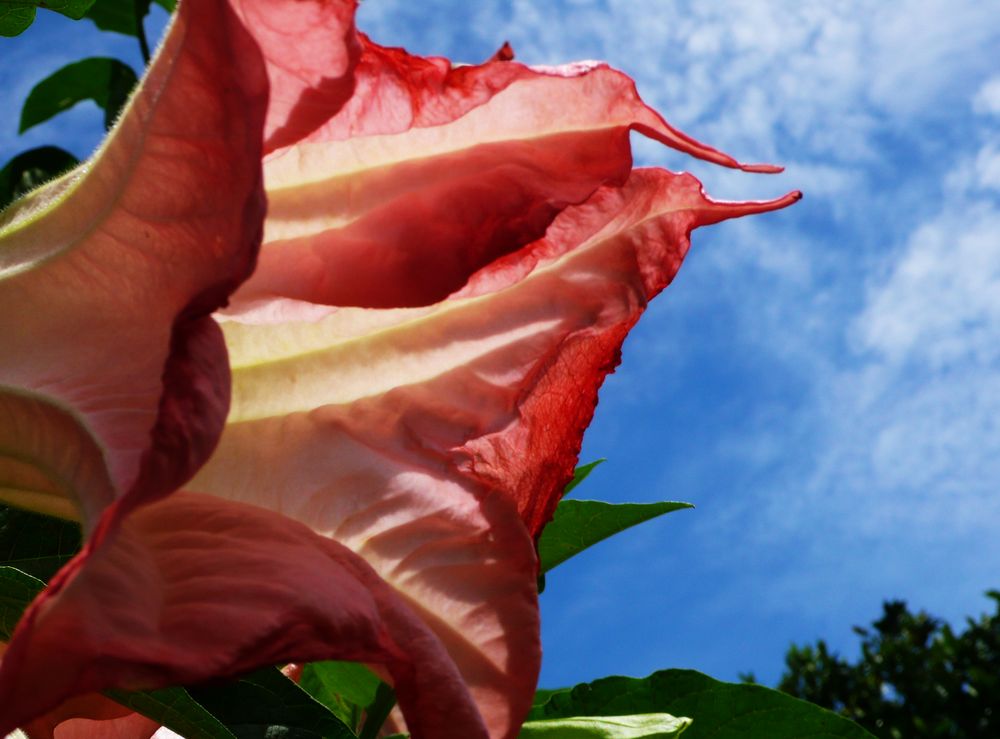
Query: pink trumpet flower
(452,258)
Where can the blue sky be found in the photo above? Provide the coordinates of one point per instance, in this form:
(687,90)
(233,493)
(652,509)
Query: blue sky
(821,382)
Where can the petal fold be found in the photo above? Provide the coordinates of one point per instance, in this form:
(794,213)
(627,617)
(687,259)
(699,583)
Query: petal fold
(430,172)
(310,49)
(104,273)
(276,592)
(413,435)
(463,561)
(489,390)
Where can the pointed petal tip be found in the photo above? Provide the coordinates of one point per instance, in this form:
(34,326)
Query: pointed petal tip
(722,210)
(784,201)
(762,168)
(749,207)
(504,54)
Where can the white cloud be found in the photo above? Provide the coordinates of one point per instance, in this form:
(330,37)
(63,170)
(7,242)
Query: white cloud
(940,304)
(928,50)
(987,100)
(988,167)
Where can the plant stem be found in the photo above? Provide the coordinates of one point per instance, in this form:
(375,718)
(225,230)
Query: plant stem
(140,31)
(378,711)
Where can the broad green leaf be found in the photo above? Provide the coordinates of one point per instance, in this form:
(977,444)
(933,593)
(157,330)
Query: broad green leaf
(168,5)
(17,590)
(118,15)
(581,473)
(267,705)
(175,709)
(346,688)
(642,726)
(106,81)
(718,710)
(17,15)
(579,524)
(36,545)
(15,18)
(32,168)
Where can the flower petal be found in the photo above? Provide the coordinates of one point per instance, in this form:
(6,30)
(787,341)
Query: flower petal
(410,435)
(310,49)
(430,172)
(463,561)
(141,610)
(105,273)
(89,717)
(92,717)
(489,390)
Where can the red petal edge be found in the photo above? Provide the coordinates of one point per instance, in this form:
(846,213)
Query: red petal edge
(276,592)
(647,223)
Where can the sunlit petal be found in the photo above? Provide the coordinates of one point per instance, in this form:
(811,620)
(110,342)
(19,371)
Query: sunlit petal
(106,274)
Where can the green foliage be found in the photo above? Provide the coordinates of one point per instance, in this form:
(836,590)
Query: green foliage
(378,711)
(175,709)
(32,168)
(108,82)
(17,590)
(119,16)
(126,16)
(36,545)
(581,473)
(17,15)
(266,704)
(32,548)
(579,524)
(643,726)
(346,688)
(718,710)
(916,677)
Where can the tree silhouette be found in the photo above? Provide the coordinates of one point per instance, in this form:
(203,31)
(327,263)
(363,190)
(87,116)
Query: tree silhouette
(916,677)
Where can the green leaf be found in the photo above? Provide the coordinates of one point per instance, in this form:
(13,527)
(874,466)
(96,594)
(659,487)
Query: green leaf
(579,524)
(718,710)
(378,711)
(175,709)
(267,705)
(542,695)
(17,15)
(346,688)
(32,168)
(581,473)
(106,81)
(15,18)
(642,726)
(17,590)
(36,545)
(168,5)
(118,15)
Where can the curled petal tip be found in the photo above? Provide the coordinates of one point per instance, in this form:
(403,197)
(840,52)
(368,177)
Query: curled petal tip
(721,210)
(750,207)
(762,168)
